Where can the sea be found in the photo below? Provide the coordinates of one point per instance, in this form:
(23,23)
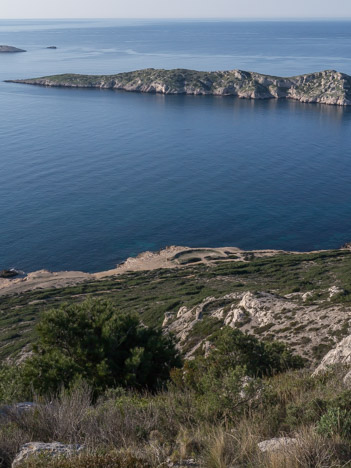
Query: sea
(91,177)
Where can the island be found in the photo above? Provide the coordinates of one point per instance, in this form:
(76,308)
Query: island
(326,87)
(10,49)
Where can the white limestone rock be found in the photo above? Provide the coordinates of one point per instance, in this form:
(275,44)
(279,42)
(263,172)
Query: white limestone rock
(335,290)
(53,449)
(341,354)
(277,444)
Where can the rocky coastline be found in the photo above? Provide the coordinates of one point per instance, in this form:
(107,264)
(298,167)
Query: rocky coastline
(172,257)
(325,87)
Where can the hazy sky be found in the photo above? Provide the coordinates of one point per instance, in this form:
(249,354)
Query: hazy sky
(175,8)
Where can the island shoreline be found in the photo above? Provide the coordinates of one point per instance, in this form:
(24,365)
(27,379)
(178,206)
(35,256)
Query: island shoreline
(325,87)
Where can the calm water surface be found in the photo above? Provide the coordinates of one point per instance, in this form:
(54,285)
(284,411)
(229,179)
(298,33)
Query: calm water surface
(89,177)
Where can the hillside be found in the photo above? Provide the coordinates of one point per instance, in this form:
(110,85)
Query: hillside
(243,400)
(327,87)
(301,299)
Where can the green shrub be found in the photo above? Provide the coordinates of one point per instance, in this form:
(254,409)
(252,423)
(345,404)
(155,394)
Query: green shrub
(235,353)
(227,395)
(335,421)
(228,381)
(12,386)
(91,341)
(310,413)
(235,348)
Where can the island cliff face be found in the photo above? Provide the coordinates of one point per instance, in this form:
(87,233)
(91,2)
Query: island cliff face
(326,87)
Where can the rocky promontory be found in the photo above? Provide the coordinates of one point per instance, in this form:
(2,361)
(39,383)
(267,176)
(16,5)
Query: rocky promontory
(10,49)
(326,87)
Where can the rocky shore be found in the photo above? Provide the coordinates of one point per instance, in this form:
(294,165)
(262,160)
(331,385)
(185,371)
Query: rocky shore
(172,257)
(325,87)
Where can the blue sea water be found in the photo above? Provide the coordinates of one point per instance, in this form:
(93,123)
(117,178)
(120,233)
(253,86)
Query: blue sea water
(89,177)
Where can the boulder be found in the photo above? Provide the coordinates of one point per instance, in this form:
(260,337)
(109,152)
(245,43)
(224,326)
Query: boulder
(8,273)
(276,445)
(53,449)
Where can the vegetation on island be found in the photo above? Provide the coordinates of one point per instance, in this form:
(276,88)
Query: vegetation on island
(328,87)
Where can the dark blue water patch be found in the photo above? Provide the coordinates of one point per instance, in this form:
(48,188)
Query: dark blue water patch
(90,177)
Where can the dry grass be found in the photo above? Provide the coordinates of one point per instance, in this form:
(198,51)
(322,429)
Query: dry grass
(310,451)
(92,460)
(222,449)
(151,429)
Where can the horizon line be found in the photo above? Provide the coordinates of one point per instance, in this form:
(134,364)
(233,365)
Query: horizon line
(192,18)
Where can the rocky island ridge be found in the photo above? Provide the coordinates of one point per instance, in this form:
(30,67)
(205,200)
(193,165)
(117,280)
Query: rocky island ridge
(325,87)
(5,49)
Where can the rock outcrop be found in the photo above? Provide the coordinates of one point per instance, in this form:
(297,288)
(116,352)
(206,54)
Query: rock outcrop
(326,87)
(304,327)
(53,449)
(10,49)
(341,354)
(8,273)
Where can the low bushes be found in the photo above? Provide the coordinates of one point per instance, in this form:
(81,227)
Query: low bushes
(180,424)
(214,410)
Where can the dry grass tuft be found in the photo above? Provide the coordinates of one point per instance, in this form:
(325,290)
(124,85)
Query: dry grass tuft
(92,460)
(310,451)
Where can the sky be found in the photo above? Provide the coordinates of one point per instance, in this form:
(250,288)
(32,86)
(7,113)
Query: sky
(175,9)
